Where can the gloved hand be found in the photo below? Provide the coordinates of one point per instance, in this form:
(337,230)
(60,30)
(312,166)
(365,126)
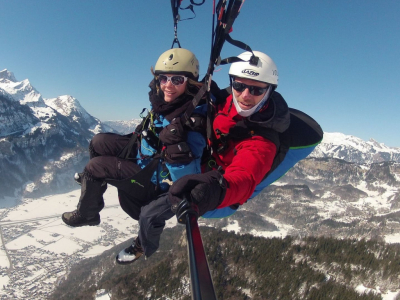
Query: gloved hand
(205,190)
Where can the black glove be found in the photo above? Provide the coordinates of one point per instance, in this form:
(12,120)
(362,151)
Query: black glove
(205,190)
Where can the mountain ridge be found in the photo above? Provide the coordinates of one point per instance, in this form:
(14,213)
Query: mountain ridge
(354,149)
(38,136)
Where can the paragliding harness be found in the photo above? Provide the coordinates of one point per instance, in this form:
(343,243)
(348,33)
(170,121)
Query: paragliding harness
(170,146)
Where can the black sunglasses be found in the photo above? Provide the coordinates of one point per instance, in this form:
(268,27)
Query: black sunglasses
(175,79)
(254,90)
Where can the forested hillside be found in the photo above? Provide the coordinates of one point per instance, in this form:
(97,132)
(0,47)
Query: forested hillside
(244,267)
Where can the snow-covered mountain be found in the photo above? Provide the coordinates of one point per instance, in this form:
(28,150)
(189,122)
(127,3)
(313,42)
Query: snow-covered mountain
(42,141)
(69,107)
(354,149)
(123,127)
(20,91)
(334,145)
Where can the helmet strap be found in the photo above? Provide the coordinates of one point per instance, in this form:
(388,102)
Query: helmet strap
(248,112)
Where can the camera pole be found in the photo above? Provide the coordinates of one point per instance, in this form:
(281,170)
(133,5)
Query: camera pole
(201,282)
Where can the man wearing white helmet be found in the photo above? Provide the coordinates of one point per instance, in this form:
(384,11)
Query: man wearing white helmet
(246,138)
(261,80)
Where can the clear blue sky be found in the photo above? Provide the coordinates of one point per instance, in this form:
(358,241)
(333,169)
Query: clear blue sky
(338,61)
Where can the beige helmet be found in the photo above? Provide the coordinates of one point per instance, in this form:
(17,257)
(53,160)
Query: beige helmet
(179,61)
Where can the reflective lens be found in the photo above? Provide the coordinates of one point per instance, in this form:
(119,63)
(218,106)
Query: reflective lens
(175,79)
(254,90)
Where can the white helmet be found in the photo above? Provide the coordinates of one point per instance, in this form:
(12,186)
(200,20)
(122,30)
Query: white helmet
(265,70)
(178,60)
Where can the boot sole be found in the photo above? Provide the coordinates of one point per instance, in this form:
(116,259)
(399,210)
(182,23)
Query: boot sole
(92,223)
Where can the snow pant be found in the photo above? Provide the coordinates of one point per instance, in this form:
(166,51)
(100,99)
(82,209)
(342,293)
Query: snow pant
(105,167)
(152,222)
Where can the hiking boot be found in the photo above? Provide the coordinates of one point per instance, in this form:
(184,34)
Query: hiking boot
(75,219)
(129,255)
(78,178)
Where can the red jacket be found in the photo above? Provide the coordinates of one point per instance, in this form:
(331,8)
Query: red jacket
(245,162)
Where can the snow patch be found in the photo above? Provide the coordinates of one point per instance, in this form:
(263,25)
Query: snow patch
(30,187)
(361,289)
(102,295)
(233,226)
(47,177)
(392,238)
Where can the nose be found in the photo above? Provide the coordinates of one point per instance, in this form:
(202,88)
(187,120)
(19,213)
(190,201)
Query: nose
(169,83)
(246,93)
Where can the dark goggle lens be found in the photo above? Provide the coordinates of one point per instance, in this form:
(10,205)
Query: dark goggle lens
(254,90)
(175,80)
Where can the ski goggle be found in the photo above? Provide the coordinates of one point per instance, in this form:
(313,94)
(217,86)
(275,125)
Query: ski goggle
(254,90)
(175,79)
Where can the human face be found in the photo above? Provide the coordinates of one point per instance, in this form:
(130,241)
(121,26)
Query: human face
(171,92)
(245,99)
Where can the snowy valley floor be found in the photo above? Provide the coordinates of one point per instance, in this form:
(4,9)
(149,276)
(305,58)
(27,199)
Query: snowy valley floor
(37,248)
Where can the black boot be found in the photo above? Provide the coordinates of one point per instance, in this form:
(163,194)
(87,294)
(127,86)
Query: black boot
(75,219)
(91,202)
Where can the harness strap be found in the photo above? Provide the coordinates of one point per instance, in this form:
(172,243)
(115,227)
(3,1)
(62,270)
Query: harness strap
(175,4)
(186,115)
(226,19)
(190,6)
(127,150)
(197,4)
(253,59)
